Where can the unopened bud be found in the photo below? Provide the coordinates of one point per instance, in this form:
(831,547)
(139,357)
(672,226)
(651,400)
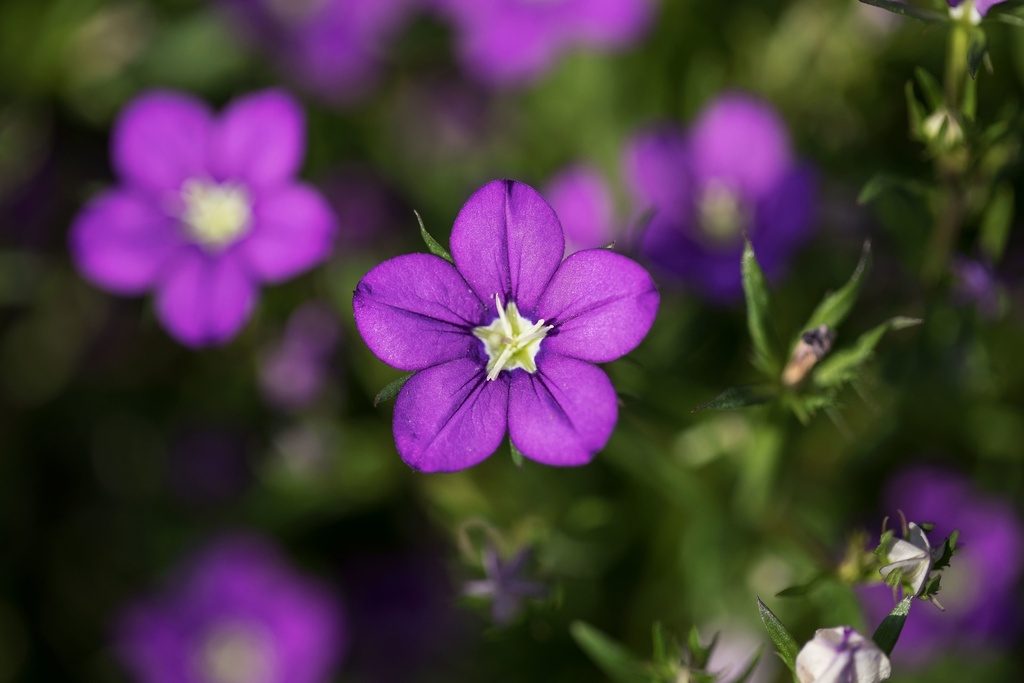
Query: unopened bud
(812,347)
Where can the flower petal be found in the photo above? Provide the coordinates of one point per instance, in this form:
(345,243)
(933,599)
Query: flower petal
(261,139)
(203,300)
(293,230)
(581,199)
(161,139)
(449,417)
(415,311)
(507,240)
(563,413)
(121,240)
(601,303)
(656,164)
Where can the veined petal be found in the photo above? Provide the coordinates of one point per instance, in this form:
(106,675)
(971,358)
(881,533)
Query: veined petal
(121,240)
(563,413)
(204,300)
(449,417)
(602,304)
(160,140)
(507,240)
(293,230)
(415,311)
(260,139)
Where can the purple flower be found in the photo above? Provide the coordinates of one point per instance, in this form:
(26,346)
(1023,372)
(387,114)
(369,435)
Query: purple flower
(505,585)
(515,41)
(980,6)
(293,372)
(581,199)
(975,284)
(504,339)
(332,47)
(237,612)
(207,209)
(732,174)
(980,588)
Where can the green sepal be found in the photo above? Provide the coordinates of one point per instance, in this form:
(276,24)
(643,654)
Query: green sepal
(977,51)
(835,306)
(391,390)
(925,15)
(517,455)
(755,290)
(888,632)
(784,642)
(948,550)
(433,245)
(700,654)
(842,366)
(738,397)
(613,659)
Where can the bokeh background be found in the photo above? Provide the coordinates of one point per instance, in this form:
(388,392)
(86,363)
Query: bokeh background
(128,460)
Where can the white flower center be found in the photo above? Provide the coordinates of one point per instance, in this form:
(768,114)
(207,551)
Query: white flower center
(721,214)
(966,10)
(236,652)
(511,341)
(215,215)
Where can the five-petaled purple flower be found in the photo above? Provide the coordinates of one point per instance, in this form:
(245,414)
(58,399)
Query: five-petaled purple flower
(332,47)
(237,614)
(505,338)
(208,208)
(733,175)
(980,588)
(514,41)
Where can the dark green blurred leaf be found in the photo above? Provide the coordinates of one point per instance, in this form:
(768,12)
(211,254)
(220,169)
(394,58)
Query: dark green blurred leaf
(433,245)
(738,397)
(884,182)
(802,589)
(888,632)
(916,117)
(614,660)
(928,16)
(977,50)
(996,221)
(835,306)
(933,95)
(842,365)
(755,289)
(784,641)
(391,390)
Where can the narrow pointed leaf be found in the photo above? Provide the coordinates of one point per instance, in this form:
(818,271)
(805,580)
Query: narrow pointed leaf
(976,51)
(933,94)
(888,632)
(835,306)
(884,182)
(948,550)
(433,245)
(755,289)
(916,118)
(927,16)
(613,659)
(780,635)
(738,397)
(842,366)
(802,589)
(391,390)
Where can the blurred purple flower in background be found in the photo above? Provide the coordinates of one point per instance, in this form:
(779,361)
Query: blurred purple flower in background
(334,48)
(238,614)
(207,210)
(583,203)
(981,587)
(732,174)
(293,372)
(505,586)
(505,42)
(505,339)
(975,284)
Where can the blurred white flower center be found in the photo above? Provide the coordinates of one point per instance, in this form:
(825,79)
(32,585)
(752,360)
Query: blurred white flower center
(722,217)
(215,215)
(237,652)
(511,341)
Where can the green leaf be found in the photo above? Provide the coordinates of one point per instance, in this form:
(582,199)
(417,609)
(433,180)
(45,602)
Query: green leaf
(613,659)
(916,117)
(884,182)
(780,635)
(835,306)
(933,95)
(391,390)
(888,632)
(517,455)
(976,51)
(927,16)
(748,671)
(766,357)
(842,366)
(995,223)
(738,397)
(948,550)
(802,589)
(433,245)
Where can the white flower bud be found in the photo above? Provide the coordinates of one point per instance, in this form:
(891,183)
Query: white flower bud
(841,655)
